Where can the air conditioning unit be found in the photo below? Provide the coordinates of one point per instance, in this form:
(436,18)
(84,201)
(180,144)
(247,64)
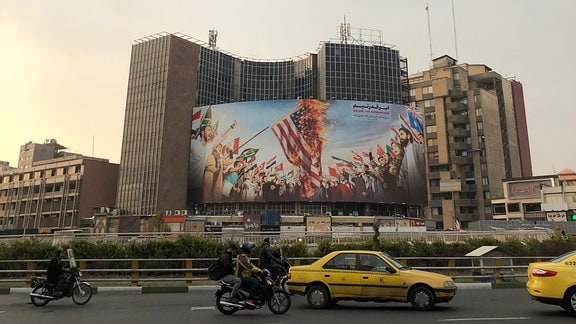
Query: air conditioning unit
(184,212)
(177,212)
(168,213)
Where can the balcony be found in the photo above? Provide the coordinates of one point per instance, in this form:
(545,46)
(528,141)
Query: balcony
(458,119)
(461,160)
(457,93)
(456,106)
(460,146)
(434,175)
(458,132)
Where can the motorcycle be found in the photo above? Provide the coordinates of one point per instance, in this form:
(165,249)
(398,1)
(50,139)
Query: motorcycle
(280,271)
(43,291)
(267,293)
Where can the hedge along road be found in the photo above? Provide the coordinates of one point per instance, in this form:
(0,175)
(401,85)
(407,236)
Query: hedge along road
(469,305)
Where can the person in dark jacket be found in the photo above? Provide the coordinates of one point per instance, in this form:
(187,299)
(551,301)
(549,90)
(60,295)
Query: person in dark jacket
(228,262)
(267,260)
(55,272)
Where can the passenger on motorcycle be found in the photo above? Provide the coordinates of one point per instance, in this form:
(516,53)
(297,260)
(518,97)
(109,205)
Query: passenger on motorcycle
(228,262)
(245,269)
(55,273)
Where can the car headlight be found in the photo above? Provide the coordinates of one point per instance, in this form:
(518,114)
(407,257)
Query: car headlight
(449,284)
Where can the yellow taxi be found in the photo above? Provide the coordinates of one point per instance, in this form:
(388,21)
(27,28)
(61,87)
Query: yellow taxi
(554,282)
(368,276)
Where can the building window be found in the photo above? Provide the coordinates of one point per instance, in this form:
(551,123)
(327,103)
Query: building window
(485,181)
(427,90)
(480,125)
(499,209)
(477,98)
(431,129)
(428,103)
(432,155)
(478,111)
(432,142)
(430,115)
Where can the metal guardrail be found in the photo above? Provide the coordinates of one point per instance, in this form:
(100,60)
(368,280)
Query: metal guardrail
(287,237)
(138,271)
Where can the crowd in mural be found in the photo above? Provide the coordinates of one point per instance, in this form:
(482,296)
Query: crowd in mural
(391,172)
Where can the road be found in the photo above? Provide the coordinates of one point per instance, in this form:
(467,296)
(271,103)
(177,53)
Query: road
(509,306)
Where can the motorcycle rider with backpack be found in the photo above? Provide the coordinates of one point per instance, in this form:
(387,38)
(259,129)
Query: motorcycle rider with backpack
(228,264)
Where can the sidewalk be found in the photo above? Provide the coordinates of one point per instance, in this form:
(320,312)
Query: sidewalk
(193,289)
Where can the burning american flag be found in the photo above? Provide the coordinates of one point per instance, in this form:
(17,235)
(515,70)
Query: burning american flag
(301,136)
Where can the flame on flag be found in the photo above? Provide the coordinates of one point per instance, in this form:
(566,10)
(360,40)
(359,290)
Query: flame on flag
(301,137)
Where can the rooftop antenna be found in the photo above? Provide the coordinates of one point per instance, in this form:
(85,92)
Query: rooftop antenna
(212,35)
(344,31)
(429,33)
(454,22)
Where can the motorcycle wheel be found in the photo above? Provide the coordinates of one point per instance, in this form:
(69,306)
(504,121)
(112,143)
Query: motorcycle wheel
(37,301)
(284,285)
(226,310)
(280,302)
(82,293)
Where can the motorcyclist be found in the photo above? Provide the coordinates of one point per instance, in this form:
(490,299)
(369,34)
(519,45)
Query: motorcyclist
(55,272)
(267,259)
(245,270)
(228,262)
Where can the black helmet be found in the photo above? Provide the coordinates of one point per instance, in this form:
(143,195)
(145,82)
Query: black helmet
(247,247)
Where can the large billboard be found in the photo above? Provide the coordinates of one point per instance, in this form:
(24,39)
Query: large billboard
(307,150)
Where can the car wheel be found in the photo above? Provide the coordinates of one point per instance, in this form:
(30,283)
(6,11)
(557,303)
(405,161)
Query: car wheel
(422,298)
(570,301)
(318,297)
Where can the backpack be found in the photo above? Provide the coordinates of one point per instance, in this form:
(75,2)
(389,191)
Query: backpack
(215,270)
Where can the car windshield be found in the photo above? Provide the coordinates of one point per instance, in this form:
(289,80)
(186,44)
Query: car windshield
(562,257)
(393,261)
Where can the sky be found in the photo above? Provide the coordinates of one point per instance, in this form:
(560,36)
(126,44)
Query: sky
(64,64)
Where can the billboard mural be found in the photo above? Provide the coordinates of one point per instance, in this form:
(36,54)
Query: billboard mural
(307,150)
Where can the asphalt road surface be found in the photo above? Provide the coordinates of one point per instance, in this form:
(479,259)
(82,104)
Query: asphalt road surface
(469,306)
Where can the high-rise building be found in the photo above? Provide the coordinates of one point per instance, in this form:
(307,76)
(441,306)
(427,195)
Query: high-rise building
(476,134)
(172,73)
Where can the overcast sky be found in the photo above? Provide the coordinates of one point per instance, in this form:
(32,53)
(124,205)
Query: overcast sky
(64,64)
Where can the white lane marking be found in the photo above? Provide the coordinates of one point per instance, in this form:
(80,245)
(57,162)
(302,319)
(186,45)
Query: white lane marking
(201,308)
(2,312)
(484,319)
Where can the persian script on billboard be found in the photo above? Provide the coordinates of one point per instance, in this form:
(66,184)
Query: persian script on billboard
(307,150)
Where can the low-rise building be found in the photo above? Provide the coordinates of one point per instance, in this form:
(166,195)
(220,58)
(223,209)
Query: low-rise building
(55,193)
(541,198)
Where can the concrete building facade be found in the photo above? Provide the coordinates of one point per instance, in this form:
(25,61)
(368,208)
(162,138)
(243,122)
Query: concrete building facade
(55,193)
(474,118)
